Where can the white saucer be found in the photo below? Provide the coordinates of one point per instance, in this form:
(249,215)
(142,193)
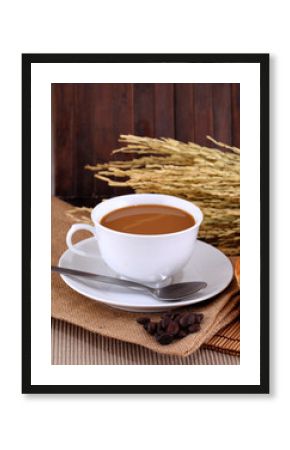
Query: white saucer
(206,264)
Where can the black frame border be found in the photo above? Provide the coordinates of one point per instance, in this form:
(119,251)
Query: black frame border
(39,58)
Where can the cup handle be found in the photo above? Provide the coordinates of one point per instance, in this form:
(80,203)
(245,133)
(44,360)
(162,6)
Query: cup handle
(77,227)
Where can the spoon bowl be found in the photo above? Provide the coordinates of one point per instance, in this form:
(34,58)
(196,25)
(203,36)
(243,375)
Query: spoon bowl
(178,290)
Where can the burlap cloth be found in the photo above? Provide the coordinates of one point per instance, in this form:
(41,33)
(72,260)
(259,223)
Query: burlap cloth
(72,307)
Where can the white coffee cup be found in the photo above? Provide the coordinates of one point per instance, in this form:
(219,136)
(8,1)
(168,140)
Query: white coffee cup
(140,257)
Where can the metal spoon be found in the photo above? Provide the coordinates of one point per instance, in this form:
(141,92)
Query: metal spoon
(178,291)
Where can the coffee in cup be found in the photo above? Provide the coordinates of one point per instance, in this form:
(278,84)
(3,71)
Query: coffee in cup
(148,219)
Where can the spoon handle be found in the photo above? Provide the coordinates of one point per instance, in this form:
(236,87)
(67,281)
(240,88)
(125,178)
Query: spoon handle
(101,278)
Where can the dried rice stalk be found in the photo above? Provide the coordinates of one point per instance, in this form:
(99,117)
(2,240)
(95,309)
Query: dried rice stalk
(206,176)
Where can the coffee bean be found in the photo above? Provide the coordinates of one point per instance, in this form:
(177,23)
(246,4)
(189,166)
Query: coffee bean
(191,319)
(172,325)
(193,328)
(165,339)
(176,317)
(198,317)
(164,322)
(159,328)
(173,315)
(151,327)
(165,315)
(143,320)
(181,334)
(183,320)
(172,328)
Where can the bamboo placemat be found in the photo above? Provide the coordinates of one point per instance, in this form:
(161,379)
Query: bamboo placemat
(227,340)
(72,345)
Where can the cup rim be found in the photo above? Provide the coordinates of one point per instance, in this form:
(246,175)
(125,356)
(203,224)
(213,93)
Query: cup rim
(146,236)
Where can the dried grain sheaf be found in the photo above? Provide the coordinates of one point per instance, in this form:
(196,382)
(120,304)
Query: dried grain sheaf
(206,176)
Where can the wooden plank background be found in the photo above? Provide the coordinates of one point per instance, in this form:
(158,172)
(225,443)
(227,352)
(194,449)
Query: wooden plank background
(87,120)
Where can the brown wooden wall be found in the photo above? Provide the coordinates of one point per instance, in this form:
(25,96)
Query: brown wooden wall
(87,120)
